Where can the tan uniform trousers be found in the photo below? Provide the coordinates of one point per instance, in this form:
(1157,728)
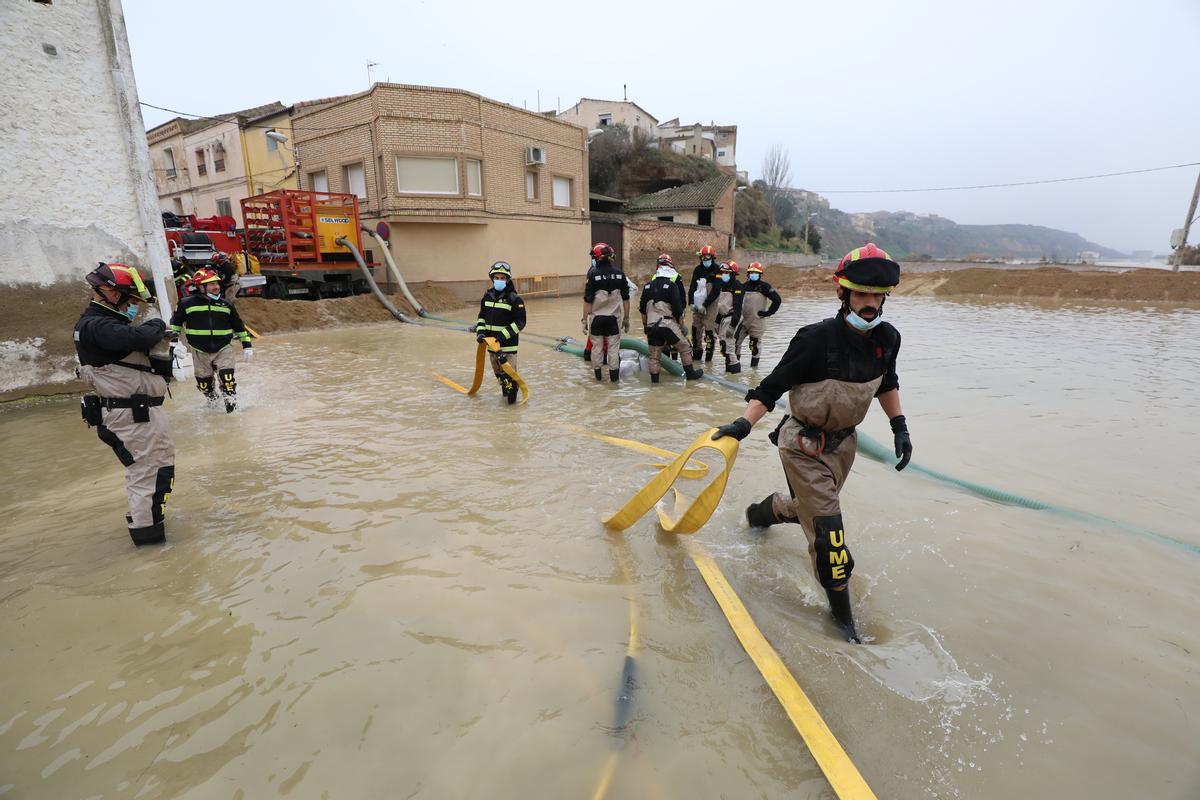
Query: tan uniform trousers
(205,364)
(816,480)
(230,293)
(614,351)
(680,344)
(727,336)
(145,449)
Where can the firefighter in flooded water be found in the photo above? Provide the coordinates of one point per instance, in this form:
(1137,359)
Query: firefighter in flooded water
(128,367)
(662,308)
(703,327)
(227,271)
(605,293)
(759,301)
(211,322)
(831,371)
(502,317)
(724,304)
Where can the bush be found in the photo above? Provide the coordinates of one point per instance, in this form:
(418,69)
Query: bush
(624,163)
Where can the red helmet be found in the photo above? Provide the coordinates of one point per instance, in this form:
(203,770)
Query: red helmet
(602,251)
(733,266)
(868,269)
(121,277)
(205,275)
(664,260)
(708,251)
(219,258)
(755,266)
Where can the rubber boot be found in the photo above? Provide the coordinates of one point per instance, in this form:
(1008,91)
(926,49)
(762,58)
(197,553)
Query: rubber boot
(614,375)
(839,607)
(599,375)
(762,513)
(205,385)
(754,362)
(733,369)
(150,534)
(697,353)
(753,353)
(724,354)
(709,343)
(654,377)
(693,374)
(510,393)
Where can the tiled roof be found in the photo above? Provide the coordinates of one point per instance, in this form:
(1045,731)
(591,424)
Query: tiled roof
(705,194)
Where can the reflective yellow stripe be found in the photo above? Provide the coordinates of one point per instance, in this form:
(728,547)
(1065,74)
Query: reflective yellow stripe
(858,287)
(490,304)
(222,309)
(244,336)
(191,332)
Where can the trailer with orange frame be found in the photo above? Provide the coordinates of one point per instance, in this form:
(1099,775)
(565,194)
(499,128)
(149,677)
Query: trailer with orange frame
(293,234)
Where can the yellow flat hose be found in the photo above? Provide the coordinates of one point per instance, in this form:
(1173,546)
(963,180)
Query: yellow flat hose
(698,469)
(250,330)
(699,510)
(845,779)
(488,343)
(625,698)
(843,776)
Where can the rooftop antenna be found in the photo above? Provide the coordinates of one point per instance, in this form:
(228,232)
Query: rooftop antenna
(539,101)
(625,91)
(370,64)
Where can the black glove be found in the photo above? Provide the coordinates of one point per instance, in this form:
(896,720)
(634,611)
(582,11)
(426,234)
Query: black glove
(763,314)
(738,429)
(479,337)
(903,442)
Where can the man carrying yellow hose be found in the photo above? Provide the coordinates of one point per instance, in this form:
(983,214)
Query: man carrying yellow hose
(831,370)
(502,316)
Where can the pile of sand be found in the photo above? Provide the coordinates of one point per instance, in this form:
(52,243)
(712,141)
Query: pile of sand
(278,316)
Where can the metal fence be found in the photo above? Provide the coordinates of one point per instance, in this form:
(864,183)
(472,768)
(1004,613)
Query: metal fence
(538,285)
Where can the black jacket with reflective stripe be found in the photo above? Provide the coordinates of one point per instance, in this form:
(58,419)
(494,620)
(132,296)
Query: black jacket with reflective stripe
(105,336)
(210,323)
(502,315)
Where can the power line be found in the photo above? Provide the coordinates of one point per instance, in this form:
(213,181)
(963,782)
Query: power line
(1004,185)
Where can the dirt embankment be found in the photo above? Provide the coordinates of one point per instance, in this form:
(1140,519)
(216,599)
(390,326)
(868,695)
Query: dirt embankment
(279,316)
(1040,283)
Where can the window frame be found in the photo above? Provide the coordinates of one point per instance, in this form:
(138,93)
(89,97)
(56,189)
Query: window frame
(170,171)
(537,185)
(459,176)
(467,160)
(345,166)
(570,191)
(312,184)
(201,164)
(605,119)
(218,163)
(228,201)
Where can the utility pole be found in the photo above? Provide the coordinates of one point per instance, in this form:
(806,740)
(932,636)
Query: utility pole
(806,244)
(1187,225)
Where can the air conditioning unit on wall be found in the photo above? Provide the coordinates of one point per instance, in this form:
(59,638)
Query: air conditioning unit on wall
(534,156)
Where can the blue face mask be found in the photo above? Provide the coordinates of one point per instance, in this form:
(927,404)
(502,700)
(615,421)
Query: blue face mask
(706,262)
(725,278)
(593,262)
(131,312)
(860,324)
(499,284)
(753,276)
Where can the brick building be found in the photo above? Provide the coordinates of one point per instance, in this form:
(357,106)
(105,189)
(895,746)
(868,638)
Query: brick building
(679,221)
(462,180)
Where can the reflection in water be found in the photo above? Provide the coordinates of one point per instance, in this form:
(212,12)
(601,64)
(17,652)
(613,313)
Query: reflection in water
(398,591)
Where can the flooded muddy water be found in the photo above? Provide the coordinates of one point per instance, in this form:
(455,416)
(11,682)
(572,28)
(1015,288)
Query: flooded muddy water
(377,587)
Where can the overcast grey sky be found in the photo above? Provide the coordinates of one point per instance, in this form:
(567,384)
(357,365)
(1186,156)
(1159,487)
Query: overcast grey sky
(865,95)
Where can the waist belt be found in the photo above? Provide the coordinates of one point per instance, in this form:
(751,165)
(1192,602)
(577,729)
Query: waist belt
(136,401)
(827,441)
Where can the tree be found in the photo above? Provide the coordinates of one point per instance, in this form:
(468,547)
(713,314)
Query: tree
(814,238)
(776,173)
(751,213)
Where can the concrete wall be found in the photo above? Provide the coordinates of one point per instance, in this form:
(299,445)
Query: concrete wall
(68,199)
(77,185)
(768,257)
